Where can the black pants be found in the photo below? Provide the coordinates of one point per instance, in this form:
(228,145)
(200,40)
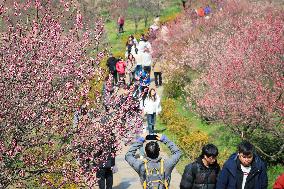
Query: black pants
(147,69)
(105,177)
(120,28)
(183,3)
(114,74)
(158,78)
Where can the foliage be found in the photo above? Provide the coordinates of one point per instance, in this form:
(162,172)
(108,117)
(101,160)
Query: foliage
(175,84)
(238,54)
(190,140)
(273,173)
(45,72)
(243,86)
(168,111)
(192,143)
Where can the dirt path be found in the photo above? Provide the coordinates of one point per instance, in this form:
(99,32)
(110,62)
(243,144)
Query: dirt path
(127,178)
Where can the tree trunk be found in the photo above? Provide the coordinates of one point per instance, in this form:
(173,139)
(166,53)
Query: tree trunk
(136,25)
(146,20)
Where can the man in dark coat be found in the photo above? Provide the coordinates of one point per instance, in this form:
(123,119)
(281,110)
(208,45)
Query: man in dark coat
(111,64)
(203,172)
(105,173)
(243,170)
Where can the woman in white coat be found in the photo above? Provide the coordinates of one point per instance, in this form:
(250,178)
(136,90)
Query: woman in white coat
(152,108)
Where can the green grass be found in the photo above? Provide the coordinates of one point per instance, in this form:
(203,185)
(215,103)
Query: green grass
(117,43)
(273,173)
(218,135)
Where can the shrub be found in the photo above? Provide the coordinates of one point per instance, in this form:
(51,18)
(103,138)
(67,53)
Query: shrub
(168,110)
(191,143)
(174,87)
(178,125)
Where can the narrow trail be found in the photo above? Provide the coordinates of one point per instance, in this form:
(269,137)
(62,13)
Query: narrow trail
(126,177)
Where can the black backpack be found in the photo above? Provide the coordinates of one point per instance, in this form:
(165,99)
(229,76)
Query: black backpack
(155,177)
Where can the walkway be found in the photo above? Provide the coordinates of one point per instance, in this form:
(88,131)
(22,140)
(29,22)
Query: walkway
(127,178)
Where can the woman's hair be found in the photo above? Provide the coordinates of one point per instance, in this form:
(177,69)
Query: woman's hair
(150,94)
(129,55)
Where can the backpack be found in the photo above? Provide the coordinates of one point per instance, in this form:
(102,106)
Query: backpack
(155,178)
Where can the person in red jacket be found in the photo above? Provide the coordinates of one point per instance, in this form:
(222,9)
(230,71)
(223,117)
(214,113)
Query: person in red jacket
(279,183)
(200,12)
(120,68)
(120,23)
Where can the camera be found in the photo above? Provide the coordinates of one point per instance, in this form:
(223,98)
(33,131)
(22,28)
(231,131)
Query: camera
(151,137)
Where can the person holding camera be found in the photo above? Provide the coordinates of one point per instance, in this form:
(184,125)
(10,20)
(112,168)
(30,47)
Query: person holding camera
(154,171)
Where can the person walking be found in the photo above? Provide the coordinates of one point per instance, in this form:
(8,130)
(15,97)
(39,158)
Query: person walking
(128,46)
(147,60)
(130,68)
(152,108)
(106,169)
(203,172)
(120,23)
(154,171)
(120,67)
(111,64)
(157,73)
(243,170)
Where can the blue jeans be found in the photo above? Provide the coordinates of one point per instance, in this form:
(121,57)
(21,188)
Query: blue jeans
(151,120)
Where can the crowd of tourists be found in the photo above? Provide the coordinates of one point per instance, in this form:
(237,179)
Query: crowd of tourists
(243,169)
(135,70)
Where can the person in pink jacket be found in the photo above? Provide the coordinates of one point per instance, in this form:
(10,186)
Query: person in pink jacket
(120,68)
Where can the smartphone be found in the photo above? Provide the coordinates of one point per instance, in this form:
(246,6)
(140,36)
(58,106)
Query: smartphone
(151,137)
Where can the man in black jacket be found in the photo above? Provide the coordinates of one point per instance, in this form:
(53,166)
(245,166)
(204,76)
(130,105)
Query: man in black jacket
(203,172)
(111,64)
(105,171)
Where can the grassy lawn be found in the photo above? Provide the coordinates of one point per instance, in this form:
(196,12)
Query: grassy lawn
(117,42)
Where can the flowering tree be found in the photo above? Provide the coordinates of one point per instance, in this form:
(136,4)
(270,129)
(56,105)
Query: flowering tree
(238,57)
(244,88)
(45,70)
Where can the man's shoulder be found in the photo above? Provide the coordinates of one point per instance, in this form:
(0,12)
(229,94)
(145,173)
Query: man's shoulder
(259,162)
(192,167)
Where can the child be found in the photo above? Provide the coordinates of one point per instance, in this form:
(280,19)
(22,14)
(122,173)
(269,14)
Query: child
(120,67)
